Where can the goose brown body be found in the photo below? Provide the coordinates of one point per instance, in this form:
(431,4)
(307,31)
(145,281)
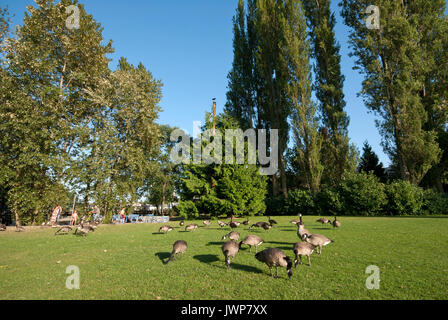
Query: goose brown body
(229,249)
(303,249)
(180,246)
(252,240)
(191,227)
(233,235)
(317,240)
(274,257)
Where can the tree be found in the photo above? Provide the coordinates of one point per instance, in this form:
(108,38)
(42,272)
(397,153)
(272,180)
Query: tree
(396,62)
(328,86)
(370,163)
(308,140)
(223,188)
(48,68)
(121,150)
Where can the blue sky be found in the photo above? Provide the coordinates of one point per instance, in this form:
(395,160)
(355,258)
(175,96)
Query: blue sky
(188,46)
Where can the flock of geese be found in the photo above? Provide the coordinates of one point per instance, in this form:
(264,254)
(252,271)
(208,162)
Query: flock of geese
(272,257)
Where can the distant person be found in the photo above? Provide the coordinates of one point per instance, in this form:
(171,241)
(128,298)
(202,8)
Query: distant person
(74,217)
(122,215)
(57,211)
(96,212)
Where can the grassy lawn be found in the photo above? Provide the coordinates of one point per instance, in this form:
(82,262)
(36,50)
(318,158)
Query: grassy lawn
(125,262)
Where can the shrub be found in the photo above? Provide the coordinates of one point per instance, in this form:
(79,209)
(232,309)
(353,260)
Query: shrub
(276,206)
(361,194)
(187,209)
(300,201)
(404,198)
(435,202)
(329,202)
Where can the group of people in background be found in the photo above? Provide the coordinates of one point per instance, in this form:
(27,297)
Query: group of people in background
(57,212)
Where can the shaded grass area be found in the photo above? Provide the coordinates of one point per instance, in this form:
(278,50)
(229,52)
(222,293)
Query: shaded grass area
(126,262)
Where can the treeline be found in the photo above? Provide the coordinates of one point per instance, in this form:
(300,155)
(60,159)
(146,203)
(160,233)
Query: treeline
(405,68)
(70,124)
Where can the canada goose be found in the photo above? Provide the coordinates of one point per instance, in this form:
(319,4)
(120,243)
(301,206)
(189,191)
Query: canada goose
(336,223)
(235,236)
(206,222)
(83,230)
(271,222)
(261,224)
(222,224)
(191,227)
(182,223)
(303,249)
(252,240)
(323,220)
(301,231)
(274,257)
(19,228)
(234,224)
(229,249)
(246,223)
(2,227)
(300,218)
(165,229)
(317,240)
(180,246)
(295,221)
(64,230)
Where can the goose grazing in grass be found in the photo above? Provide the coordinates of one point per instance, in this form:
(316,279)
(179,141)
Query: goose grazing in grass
(229,249)
(303,249)
(64,230)
(222,224)
(295,221)
(206,222)
(180,246)
(317,240)
(19,228)
(274,257)
(234,224)
(2,227)
(252,240)
(233,235)
(165,229)
(191,227)
(323,220)
(336,223)
(246,223)
(261,224)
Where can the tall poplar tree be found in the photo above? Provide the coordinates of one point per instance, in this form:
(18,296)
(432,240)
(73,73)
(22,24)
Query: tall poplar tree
(328,86)
(396,61)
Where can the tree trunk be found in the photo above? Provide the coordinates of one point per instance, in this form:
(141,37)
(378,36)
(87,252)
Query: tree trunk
(163,195)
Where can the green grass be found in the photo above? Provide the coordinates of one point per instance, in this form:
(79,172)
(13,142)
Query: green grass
(125,262)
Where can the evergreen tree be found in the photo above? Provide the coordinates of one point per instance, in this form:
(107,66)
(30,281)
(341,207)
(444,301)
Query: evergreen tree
(308,140)
(370,162)
(339,155)
(217,189)
(396,61)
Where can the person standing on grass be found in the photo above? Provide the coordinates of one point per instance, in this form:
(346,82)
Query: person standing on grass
(95,212)
(74,217)
(56,214)
(122,214)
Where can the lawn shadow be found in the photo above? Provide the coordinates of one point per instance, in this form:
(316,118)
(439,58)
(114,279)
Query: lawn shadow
(279,242)
(206,258)
(163,255)
(242,267)
(215,243)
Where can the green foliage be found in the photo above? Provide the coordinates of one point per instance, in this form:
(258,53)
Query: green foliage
(300,202)
(237,189)
(370,163)
(187,209)
(404,198)
(361,194)
(435,203)
(329,202)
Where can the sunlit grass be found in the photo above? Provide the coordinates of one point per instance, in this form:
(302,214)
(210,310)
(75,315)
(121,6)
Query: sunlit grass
(125,262)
